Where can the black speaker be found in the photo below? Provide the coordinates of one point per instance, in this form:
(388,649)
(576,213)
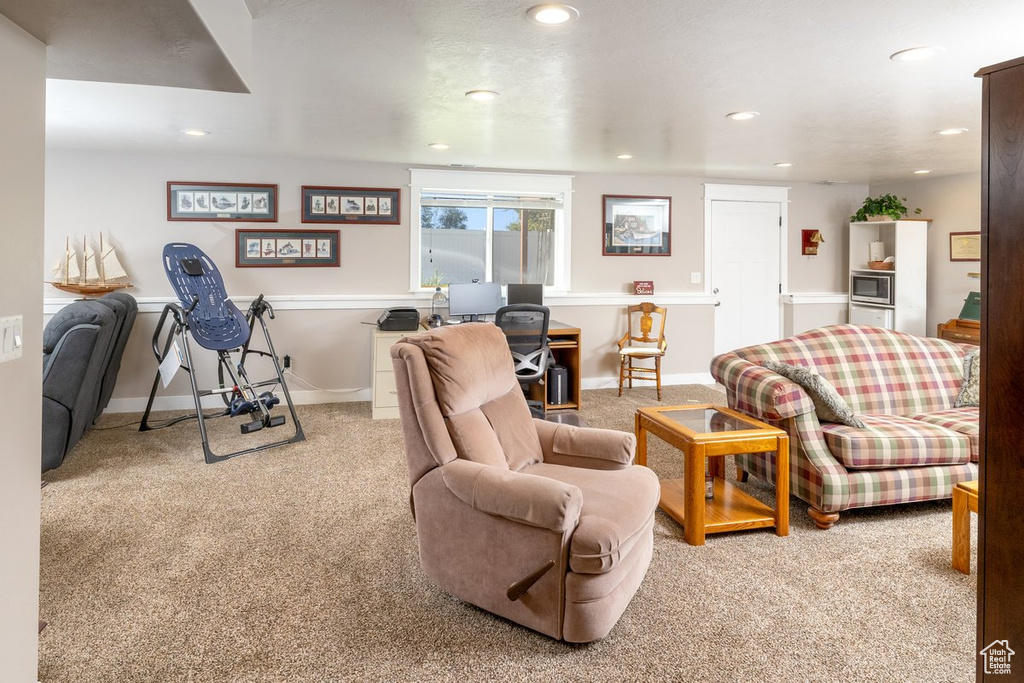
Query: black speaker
(558,385)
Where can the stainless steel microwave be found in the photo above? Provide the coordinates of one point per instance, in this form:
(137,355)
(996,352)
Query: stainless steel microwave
(874,287)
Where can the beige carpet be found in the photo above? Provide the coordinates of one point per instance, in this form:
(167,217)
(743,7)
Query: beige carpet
(300,564)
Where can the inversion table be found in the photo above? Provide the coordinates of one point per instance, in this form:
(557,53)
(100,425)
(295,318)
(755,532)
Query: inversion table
(217,324)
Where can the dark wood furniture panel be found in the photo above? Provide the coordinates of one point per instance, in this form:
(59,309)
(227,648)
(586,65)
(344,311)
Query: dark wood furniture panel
(1001,465)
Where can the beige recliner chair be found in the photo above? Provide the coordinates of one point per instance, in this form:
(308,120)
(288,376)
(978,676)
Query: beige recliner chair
(546,524)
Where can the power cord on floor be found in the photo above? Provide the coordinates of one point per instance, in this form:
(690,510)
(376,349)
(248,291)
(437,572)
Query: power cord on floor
(316,388)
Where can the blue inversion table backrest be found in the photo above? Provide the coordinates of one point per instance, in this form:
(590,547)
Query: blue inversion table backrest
(215,322)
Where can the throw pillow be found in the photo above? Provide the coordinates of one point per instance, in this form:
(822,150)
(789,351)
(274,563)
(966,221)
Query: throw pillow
(829,406)
(972,377)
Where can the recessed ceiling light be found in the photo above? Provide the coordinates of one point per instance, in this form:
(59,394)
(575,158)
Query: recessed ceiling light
(922,171)
(624,156)
(481,95)
(437,145)
(783,164)
(551,15)
(195,132)
(916,54)
(742,115)
(951,131)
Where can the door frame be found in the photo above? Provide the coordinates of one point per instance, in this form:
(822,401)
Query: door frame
(749,193)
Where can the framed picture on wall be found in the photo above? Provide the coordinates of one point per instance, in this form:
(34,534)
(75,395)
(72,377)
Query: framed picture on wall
(965,246)
(358,205)
(287,248)
(637,225)
(221,202)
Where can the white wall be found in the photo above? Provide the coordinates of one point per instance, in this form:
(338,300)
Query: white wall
(22,82)
(953,203)
(125,195)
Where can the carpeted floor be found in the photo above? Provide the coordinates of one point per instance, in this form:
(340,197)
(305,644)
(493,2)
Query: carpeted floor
(300,564)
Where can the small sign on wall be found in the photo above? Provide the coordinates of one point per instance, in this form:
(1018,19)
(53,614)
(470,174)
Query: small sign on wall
(643,287)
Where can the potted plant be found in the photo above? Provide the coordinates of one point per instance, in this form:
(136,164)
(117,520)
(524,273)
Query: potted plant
(881,208)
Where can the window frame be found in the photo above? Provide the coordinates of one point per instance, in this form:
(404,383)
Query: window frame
(436,180)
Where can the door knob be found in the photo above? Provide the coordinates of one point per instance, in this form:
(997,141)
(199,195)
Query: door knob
(715,290)
(717,304)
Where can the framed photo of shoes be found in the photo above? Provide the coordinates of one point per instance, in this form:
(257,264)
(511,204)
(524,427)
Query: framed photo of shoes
(189,201)
(357,205)
(287,248)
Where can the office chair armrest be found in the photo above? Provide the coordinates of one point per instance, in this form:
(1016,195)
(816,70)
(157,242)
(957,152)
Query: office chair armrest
(596,449)
(526,498)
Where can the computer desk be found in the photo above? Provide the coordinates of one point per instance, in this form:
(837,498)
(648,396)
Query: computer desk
(565,344)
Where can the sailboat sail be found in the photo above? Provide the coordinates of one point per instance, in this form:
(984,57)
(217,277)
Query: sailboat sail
(112,268)
(66,267)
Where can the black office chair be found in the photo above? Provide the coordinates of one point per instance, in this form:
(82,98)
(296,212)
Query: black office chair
(526,329)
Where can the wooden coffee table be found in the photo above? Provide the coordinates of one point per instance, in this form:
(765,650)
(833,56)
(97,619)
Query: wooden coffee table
(709,432)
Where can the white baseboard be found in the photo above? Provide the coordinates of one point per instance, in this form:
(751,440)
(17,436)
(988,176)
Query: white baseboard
(309,397)
(666,380)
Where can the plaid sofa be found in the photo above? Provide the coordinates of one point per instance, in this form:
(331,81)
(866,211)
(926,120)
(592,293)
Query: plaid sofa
(915,445)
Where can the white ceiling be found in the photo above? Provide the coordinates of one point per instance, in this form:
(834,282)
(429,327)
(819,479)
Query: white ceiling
(378,81)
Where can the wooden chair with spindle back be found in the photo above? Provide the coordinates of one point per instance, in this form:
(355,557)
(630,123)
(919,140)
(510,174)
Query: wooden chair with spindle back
(638,343)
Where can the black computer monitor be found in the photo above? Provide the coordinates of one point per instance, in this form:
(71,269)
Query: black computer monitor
(525,294)
(474,299)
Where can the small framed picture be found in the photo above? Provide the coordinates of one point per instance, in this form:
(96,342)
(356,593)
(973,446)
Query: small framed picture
(360,205)
(188,201)
(965,246)
(286,248)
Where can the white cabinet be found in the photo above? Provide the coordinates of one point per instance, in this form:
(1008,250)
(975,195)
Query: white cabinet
(385,393)
(907,242)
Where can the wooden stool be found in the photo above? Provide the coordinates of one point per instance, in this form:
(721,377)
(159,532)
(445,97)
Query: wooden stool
(965,501)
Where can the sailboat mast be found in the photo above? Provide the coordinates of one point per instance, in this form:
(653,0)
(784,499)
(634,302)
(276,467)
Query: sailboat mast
(67,257)
(99,263)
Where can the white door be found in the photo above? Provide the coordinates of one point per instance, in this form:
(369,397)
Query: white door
(746,272)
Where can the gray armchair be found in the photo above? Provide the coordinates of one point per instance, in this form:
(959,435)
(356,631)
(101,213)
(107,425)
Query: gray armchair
(75,348)
(548,525)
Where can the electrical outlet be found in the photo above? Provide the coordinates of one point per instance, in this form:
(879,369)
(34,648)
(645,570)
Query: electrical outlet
(694,278)
(287,362)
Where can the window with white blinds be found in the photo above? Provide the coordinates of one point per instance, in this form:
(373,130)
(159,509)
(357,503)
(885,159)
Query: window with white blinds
(492,227)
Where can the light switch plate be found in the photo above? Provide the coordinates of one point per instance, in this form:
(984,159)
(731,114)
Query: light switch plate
(10,337)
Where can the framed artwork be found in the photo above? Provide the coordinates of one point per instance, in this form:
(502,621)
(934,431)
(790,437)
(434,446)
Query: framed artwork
(965,246)
(286,248)
(221,202)
(359,205)
(637,226)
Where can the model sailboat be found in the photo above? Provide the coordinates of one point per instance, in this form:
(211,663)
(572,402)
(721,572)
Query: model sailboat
(101,272)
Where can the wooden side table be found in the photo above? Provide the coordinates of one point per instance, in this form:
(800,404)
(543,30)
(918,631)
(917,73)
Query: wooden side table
(703,432)
(965,501)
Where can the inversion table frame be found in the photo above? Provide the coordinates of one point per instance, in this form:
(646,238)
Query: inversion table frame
(214,321)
